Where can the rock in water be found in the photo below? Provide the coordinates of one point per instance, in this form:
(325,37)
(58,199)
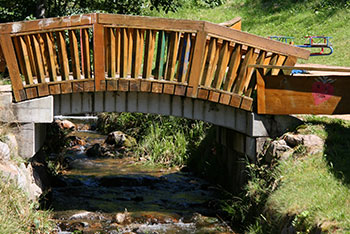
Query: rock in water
(120,139)
(65,124)
(4,152)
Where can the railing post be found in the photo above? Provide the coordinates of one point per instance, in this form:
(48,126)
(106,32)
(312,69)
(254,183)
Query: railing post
(12,65)
(99,57)
(197,63)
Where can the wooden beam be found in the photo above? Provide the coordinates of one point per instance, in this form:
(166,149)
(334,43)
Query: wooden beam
(99,63)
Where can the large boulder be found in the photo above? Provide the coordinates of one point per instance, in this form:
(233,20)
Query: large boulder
(276,150)
(65,124)
(120,139)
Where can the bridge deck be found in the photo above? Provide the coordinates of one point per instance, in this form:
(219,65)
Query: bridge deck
(97,52)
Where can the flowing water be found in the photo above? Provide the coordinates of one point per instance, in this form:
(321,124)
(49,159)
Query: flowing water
(123,195)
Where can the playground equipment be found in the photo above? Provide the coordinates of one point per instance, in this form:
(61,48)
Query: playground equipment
(321,42)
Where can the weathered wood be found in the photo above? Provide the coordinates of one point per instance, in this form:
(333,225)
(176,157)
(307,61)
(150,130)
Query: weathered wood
(239,85)
(55,89)
(99,63)
(236,100)
(38,59)
(74,51)
(135,85)
(31,92)
(43,90)
(180,90)
(112,53)
(290,61)
(112,85)
(52,57)
(206,80)
(22,56)
(89,86)
(172,56)
(146,86)
(279,62)
(160,54)
(124,53)
(12,65)
(117,50)
(44,53)
(78,87)
(225,98)
(62,55)
(214,96)
(30,53)
(66,87)
(235,23)
(197,62)
(256,41)
(149,53)
(305,95)
(247,103)
(86,54)
(222,66)
(130,32)
(157,87)
(184,57)
(169,89)
(136,54)
(123,85)
(234,63)
(203,94)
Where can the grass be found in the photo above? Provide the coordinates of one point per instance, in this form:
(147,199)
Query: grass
(288,18)
(18,214)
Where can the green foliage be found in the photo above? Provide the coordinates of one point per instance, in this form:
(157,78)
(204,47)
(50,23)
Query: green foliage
(164,140)
(18,214)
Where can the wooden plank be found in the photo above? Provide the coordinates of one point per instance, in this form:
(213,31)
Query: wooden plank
(74,51)
(117,50)
(184,58)
(30,53)
(180,90)
(55,89)
(248,81)
(197,61)
(112,53)
(290,61)
(146,86)
(44,52)
(169,89)
(62,55)
(86,54)
(279,62)
(225,98)
(12,65)
(66,87)
(214,96)
(130,32)
(157,87)
(112,85)
(124,53)
(253,84)
(21,51)
(222,65)
(135,85)
(172,56)
(89,86)
(31,93)
(99,63)
(235,23)
(256,41)
(51,50)
(43,90)
(150,22)
(203,94)
(206,80)
(239,85)
(136,54)
(149,53)
(160,54)
(78,87)
(235,100)
(234,63)
(48,24)
(329,69)
(123,85)
(247,103)
(38,59)
(306,95)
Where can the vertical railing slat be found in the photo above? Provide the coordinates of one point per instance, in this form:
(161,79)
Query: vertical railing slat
(235,60)
(149,53)
(74,51)
(52,58)
(27,67)
(238,86)
(62,55)
(160,54)
(117,50)
(206,80)
(99,63)
(222,65)
(86,53)
(12,65)
(38,59)
(172,56)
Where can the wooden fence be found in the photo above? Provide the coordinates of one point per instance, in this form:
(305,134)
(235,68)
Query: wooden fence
(98,52)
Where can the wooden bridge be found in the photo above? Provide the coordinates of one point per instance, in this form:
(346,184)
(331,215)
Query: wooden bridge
(105,52)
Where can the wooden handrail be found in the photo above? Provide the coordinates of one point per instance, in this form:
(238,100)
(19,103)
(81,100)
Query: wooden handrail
(235,23)
(328,69)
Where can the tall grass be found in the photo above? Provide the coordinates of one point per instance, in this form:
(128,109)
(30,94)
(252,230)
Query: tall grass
(18,214)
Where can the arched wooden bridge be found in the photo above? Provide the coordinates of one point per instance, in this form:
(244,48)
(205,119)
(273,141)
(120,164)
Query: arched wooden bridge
(105,52)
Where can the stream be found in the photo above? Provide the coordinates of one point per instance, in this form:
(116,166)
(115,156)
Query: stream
(125,195)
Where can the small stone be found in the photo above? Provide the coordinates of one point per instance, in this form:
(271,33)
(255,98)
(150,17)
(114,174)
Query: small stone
(82,215)
(4,152)
(293,140)
(120,139)
(276,149)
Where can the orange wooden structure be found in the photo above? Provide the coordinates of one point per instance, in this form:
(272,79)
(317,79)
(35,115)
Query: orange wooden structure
(316,93)
(97,52)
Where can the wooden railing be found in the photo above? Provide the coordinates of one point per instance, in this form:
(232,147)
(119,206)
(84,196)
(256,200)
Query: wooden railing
(97,52)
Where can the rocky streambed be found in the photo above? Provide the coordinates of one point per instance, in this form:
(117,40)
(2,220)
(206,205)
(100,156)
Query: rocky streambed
(106,191)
